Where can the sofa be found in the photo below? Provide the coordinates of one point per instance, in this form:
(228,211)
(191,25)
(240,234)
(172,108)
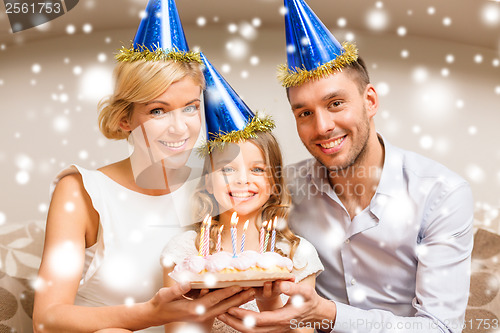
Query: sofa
(21,246)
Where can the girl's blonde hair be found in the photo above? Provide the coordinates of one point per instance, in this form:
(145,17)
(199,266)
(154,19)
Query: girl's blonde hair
(140,82)
(278,204)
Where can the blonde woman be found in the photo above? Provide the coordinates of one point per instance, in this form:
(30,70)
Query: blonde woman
(106,228)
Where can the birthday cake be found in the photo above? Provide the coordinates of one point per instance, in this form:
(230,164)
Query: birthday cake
(222,269)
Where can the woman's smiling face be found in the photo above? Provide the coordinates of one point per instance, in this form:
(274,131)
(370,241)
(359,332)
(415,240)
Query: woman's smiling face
(168,126)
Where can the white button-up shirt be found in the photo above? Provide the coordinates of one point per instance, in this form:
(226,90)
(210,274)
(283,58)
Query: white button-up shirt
(403,263)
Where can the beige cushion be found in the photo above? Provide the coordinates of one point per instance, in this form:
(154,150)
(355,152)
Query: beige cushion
(20,256)
(483,310)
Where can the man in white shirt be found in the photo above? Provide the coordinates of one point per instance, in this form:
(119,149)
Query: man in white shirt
(392,228)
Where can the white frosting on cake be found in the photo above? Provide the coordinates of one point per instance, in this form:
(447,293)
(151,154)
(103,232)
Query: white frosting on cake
(244,261)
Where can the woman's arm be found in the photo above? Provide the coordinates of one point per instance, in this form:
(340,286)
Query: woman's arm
(72,223)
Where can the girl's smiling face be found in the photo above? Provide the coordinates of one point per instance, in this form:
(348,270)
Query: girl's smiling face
(240,181)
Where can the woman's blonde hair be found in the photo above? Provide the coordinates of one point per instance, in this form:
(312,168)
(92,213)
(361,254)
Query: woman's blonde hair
(140,82)
(278,204)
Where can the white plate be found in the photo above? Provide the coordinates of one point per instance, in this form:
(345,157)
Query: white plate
(217,280)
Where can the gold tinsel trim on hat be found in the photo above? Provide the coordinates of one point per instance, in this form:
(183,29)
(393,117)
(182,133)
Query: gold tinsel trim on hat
(296,77)
(257,124)
(143,53)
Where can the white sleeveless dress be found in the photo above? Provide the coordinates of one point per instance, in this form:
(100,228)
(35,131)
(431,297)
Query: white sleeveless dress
(305,262)
(123,266)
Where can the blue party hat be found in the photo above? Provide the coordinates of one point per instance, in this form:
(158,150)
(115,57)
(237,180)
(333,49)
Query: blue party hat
(312,51)
(227,116)
(160,36)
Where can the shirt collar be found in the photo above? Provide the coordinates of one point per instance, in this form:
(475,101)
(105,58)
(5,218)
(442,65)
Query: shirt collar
(391,183)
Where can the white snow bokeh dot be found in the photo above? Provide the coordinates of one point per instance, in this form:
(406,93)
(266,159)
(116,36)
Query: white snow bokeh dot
(426,142)
(70,29)
(210,280)
(249,321)
(42,208)
(201,21)
(65,260)
(254,60)
(102,57)
(96,82)
(232,28)
(24,162)
(3,218)
(87,28)
(247,31)
(36,68)
(478,58)
(200,310)
(401,31)
(446,21)
(226,68)
(83,154)
(129,301)
(341,22)
(420,74)
(61,124)
(377,19)
(22,177)
(237,48)
(383,88)
(475,173)
(297,301)
(77,70)
(350,37)
(490,14)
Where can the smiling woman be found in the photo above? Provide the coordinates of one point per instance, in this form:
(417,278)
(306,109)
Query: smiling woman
(106,228)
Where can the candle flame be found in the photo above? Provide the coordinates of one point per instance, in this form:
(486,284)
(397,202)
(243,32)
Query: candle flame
(275,223)
(245,227)
(269,225)
(221,228)
(234,220)
(206,219)
(209,222)
(264,224)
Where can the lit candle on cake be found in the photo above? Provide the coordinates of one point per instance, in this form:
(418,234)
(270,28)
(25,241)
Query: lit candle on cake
(219,238)
(245,227)
(269,225)
(273,236)
(262,232)
(234,222)
(202,235)
(206,242)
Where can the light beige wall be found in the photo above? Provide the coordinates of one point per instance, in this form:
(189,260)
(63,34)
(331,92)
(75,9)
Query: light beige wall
(30,144)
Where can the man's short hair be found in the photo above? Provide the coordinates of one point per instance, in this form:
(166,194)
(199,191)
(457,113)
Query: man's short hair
(358,72)
(358,69)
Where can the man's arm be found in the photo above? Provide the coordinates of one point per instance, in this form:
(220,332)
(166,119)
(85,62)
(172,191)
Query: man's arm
(442,283)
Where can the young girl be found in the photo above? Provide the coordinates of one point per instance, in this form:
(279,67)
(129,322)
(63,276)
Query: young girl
(244,177)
